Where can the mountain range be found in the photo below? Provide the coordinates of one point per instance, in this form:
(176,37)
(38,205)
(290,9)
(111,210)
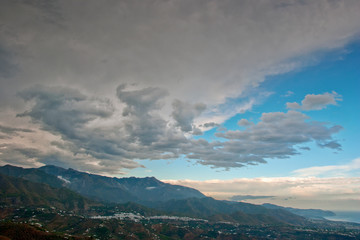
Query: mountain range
(108,189)
(76,190)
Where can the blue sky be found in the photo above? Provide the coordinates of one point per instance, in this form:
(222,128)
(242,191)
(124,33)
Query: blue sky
(333,71)
(235,98)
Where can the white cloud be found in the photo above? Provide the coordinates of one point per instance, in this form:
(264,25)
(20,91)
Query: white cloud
(316,102)
(288,94)
(244,122)
(352,168)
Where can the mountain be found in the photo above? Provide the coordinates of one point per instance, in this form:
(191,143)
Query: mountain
(20,192)
(120,190)
(246,219)
(31,221)
(116,190)
(91,185)
(152,189)
(211,209)
(308,213)
(152,193)
(32,174)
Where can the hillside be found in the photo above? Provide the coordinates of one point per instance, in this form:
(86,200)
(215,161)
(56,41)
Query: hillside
(243,213)
(17,231)
(120,190)
(32,174)
(108,189)
(20,192)
(308,213)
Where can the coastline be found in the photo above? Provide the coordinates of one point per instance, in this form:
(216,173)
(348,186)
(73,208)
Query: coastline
(345,216)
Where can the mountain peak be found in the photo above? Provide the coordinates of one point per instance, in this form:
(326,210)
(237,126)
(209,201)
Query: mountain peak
(11,166)
(51,167)
(154,179)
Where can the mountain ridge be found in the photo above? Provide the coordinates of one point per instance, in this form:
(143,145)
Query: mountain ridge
(102,188)
(20,192)
(308,213)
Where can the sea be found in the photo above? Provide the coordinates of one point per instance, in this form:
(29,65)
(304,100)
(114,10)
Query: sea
(345,216)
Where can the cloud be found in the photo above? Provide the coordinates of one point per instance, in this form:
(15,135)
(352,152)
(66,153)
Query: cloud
(140,101)
(63,110)
(337,193)
(288,94)
(210,125)
(276,136)
(19,155)
(13,131)
(70,114)
(7,67)
(176,45)
(246,197)
(175,56)
(185,113)
(352,168)
(141,122)
(244,122)
(316,102)
(96,133)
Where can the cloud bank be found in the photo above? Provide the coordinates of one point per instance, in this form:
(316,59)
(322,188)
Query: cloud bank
(98,136)
(202,52)
(338,193)
(352,168)
(247,197)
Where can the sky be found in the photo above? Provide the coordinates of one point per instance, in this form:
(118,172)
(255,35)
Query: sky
(252,101)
